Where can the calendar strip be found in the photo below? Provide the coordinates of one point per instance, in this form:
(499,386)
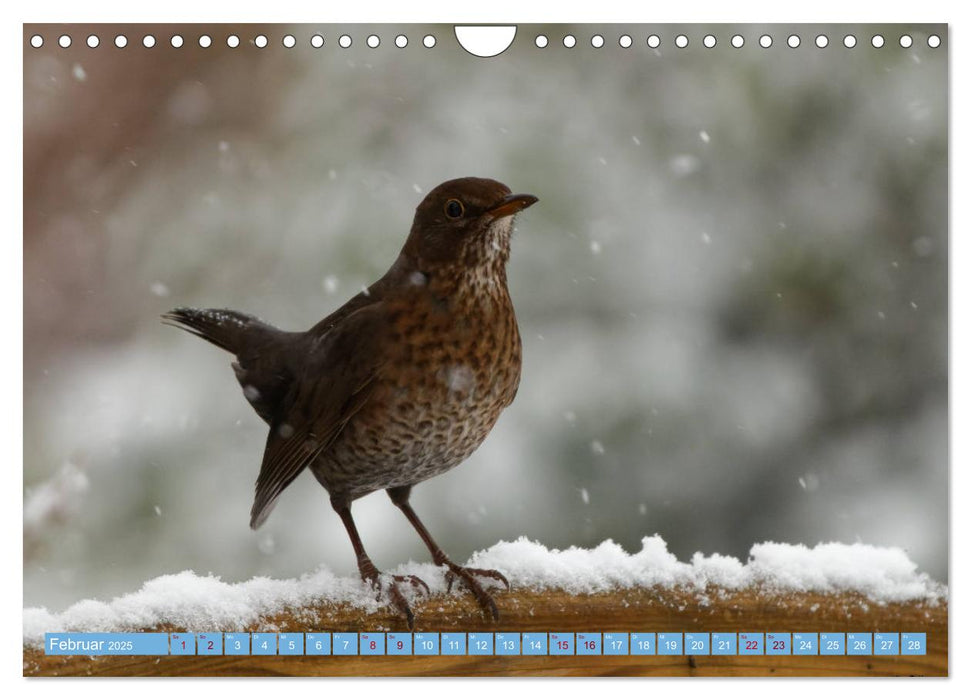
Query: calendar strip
(487,643)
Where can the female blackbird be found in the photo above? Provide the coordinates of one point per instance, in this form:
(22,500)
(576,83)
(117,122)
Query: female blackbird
(401,383)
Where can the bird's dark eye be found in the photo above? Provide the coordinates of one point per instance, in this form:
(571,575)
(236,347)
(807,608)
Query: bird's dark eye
(454,209)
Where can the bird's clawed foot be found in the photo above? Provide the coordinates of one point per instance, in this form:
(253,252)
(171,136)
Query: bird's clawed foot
(467,577)
(372,576)
(417,584)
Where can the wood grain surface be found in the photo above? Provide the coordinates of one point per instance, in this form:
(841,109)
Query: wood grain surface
(633,610)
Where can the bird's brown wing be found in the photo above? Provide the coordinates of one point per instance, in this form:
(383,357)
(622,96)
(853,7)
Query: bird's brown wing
(342,365)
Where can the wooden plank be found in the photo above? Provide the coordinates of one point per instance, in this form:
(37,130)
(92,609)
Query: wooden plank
(634,610)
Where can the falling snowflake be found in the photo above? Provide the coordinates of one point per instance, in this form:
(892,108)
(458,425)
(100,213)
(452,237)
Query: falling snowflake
(683,165)
(266,544)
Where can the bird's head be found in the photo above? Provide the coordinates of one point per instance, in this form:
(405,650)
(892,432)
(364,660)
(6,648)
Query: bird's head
(467,221)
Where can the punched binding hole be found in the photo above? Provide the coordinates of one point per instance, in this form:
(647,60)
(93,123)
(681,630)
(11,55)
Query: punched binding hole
(316,41)
(429,41)
(681,41)
(401,41)
(261,41)
(625,41)
(906,41)
(738,41)
(36,41)
(148,41)
(596,41)
(849,41)
(569,41)
(822,41)
(92,41)
(877,41)
(485,41)
(541,41)
(232,41)
(709,41)
(205,41)
(176,41)
(64,41)
(653,41)
(765,41)
(933,41)
(793,41)
(344,41)
(289,41)
(374,41)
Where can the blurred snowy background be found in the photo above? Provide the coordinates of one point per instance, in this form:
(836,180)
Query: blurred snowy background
(732,294)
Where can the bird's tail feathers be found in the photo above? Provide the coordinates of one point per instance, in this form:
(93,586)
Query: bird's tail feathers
(230,330)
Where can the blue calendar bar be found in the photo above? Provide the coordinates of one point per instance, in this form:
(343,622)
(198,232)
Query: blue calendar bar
(399,644)
(562,643)
(535,644)
(751,644)
(344,644)
(724,643)
(453,644)
(696,643)
(106,644)
(318,643)
(372,643)
(859,644)
(209,643)
(832,644)
(670,644)
(913,643)
(778,643)
(616,644)
(507,643)
(264,643)
(805,643)
(480,643)
(291,644)
(236,643)
(426,644)
(642,643)
(182,644)
(886,643)
(408,644)
(589,643)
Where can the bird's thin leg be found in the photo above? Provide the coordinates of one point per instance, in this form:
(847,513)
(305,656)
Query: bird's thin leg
(369,572)
(399,496)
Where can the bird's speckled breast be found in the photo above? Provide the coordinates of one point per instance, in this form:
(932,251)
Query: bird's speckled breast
(455,366)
